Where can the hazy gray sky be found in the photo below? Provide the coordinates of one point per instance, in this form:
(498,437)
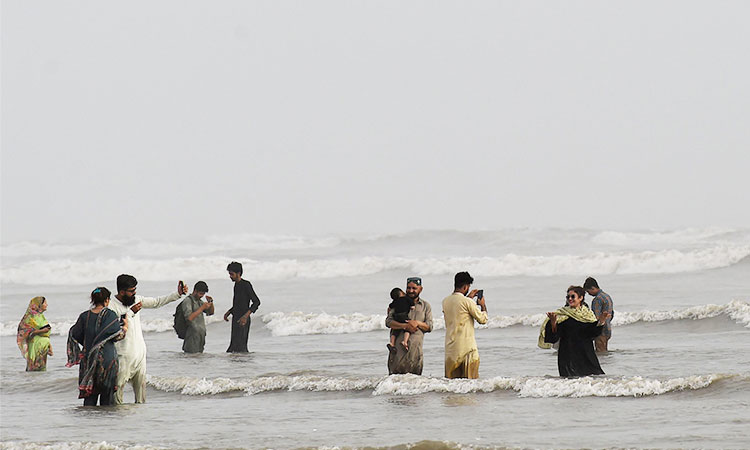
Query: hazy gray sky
(187,118)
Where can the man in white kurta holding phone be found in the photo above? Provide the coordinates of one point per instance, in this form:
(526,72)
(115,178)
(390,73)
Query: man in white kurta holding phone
(131,351)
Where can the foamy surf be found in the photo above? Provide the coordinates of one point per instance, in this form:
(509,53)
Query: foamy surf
(68,271)
(405,385)
(299,323)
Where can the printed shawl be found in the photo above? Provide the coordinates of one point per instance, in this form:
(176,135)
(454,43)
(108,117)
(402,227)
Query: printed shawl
(95,371)
(32,320)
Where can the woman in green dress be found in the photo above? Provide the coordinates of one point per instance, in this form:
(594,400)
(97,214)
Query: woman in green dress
(33,336)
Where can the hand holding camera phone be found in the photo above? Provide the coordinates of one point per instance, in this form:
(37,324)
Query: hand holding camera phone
(479,295)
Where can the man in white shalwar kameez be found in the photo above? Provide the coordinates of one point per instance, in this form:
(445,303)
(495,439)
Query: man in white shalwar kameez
(131,351)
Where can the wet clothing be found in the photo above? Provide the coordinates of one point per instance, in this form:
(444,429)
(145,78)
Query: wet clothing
(401,307)
(131,351)
(412,360)
(575,355)
(195,334)
(244,300)
(461,353)
(34,348)
(91,343)
(602,303)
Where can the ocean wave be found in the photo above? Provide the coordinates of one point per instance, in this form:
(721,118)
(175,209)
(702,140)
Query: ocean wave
(737,310)
(67,271)
(130,246)
(686,236)
(404,385)
(203,386)
(61,328)
(297,323)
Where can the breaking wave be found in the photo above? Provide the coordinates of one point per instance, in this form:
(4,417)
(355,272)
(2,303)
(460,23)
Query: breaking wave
(67,271)
(401,385)
(300,323)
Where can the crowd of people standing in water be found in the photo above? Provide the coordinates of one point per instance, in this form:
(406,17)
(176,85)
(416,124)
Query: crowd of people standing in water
(107,343)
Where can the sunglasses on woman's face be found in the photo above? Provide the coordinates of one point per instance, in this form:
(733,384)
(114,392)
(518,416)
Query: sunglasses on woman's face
(570,297)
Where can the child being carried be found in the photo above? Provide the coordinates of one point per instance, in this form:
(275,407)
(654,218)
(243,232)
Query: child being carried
(401,305)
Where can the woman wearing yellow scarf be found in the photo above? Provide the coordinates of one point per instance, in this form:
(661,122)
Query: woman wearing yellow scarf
(33,335)
(574,325)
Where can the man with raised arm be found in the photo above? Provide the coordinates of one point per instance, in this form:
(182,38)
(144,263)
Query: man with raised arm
(410,360)
(131,351)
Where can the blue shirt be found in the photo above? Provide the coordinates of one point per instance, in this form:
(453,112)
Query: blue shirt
(602,303)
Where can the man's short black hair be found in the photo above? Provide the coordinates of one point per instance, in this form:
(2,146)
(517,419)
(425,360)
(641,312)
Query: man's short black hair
(462,279)
(590,283)
(125,282)
(235,267)
(200,286)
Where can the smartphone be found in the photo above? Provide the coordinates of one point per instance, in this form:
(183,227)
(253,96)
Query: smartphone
(122,317)
(46,326)
(479,295)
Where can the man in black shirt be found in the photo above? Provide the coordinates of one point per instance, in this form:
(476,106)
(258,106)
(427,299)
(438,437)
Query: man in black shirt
(241,309)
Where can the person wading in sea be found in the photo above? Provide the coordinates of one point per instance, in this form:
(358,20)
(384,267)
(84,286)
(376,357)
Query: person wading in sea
(410,360)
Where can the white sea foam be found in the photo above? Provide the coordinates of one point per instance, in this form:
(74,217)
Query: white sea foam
(68,271)
(62,327)
(400,385)
(203,386)
(737,310)
(299,323)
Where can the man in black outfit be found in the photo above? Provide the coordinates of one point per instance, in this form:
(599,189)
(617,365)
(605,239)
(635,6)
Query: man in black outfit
(241,309)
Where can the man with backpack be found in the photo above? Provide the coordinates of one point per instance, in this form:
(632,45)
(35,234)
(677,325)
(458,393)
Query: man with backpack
(189,323)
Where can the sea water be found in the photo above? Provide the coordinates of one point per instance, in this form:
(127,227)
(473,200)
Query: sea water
(677,374)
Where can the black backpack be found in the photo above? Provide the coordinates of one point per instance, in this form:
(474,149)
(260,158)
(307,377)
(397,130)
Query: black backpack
(180,324)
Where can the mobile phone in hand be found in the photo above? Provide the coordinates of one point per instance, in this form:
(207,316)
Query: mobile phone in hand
(479,295)
(122,317)
(46,326)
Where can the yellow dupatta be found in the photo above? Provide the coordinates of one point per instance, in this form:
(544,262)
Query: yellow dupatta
(582,314)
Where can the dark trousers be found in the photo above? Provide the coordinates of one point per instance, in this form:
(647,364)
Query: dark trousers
(105,398)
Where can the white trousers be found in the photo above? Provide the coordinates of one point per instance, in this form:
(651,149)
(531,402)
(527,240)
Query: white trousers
(135,373)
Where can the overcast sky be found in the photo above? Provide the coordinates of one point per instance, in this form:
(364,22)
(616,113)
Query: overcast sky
(183,118)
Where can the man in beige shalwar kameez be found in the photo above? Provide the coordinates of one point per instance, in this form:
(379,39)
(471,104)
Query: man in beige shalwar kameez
(460,312)
(410,360)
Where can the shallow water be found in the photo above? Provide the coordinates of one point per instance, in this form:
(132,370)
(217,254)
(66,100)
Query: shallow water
(677,375)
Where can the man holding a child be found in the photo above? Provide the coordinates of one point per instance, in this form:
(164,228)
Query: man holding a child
(410,359)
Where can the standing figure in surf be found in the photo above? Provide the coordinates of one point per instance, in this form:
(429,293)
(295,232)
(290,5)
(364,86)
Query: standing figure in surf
(575,326)
(131,350)
(601,304)
(410,360)
(460,312)
(245,302)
